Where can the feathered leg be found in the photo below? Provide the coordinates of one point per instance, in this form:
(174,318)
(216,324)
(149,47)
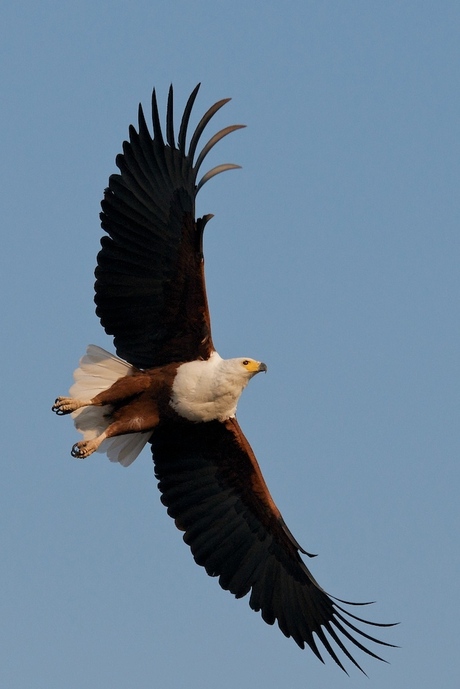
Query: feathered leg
(121,390)
(131,418)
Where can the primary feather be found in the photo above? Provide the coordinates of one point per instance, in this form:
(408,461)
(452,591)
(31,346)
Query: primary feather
(150,291)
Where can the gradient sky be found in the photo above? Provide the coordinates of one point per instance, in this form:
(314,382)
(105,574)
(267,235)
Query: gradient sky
(333,257)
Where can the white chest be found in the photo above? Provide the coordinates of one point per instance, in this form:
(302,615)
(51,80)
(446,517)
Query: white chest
(206,390)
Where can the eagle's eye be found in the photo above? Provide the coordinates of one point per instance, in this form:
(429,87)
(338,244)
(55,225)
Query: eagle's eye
(245,362)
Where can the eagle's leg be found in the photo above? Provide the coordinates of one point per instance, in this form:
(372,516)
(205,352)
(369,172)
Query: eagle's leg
(134,417)
(121,390)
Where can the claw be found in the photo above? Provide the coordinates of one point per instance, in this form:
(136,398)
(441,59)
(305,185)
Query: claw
(84,448)
(66,405)
(57,407)
(76,451)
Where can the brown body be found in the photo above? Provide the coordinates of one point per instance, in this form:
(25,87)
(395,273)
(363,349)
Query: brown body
(139,401)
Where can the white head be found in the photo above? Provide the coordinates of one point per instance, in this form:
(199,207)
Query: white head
(242,368)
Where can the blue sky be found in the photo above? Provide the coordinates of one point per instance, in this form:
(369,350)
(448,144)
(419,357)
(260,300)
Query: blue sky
(333,257)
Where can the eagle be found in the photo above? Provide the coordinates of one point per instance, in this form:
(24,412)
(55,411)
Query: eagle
(169,387)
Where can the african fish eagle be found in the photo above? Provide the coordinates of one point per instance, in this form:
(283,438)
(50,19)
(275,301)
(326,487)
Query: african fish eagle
(169,387)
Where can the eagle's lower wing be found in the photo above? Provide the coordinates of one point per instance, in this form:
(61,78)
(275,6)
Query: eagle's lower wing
(150,290)
(212,486)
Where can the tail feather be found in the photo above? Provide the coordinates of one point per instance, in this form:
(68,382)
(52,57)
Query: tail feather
(98,370)
(125,448)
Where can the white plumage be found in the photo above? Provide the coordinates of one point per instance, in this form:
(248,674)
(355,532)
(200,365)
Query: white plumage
(209,390)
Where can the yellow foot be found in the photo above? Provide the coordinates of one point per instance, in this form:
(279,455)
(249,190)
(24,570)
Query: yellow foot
(66,405)
(84,448)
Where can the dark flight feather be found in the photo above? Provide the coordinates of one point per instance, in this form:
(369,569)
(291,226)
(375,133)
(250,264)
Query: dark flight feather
(212,486)
(150,288)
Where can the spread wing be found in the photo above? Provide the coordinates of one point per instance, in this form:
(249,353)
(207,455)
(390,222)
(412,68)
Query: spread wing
(212,486)
(150,289)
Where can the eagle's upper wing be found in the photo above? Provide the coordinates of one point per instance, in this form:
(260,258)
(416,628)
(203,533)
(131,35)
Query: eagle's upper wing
(212,486)
(150,290)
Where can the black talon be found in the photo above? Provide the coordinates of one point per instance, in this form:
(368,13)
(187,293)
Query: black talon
(58,410)
(75,451)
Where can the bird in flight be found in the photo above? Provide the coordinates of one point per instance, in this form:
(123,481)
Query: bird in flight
(169,387)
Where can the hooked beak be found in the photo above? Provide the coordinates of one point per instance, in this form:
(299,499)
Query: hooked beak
(262,367)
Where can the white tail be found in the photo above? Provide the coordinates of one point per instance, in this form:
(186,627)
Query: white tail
(98,371)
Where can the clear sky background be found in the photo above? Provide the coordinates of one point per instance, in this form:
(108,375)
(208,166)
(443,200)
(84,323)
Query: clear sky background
(333,257)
